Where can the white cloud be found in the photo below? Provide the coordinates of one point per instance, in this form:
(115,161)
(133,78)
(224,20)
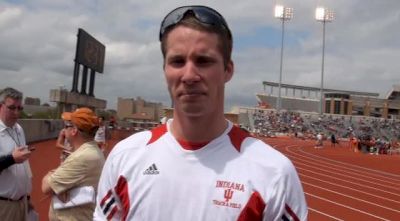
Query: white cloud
(38,39)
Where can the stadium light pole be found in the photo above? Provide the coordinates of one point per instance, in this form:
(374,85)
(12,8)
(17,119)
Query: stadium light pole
(284,14)
(323,15)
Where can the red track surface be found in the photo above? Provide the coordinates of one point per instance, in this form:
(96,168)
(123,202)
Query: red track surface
(342,185)
(339,184)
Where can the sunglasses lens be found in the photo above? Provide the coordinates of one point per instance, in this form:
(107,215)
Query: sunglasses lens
(203,14)
(209,17)
(13,108)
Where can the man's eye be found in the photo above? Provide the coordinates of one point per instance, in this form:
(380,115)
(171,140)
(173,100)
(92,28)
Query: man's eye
(177,62)
(204,61)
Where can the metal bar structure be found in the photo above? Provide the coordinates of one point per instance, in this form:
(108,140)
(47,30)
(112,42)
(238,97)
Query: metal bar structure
(284,14)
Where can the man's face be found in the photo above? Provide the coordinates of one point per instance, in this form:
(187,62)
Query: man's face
(10,111)
(69,130)
(195,72)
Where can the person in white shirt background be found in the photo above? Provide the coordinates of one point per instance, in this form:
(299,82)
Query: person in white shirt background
(15,171)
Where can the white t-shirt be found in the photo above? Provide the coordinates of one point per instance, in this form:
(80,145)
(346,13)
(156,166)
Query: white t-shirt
(149,176)
(16,180)
(100,134)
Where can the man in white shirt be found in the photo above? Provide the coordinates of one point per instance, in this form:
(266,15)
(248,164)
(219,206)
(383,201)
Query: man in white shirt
(15,171)
(198,166)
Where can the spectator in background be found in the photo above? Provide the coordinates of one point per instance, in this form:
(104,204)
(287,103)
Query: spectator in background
(354,144)
(333,140)
(15,171)
(319,143)
(113,123)
(81,169)
(63,144)
(100,136)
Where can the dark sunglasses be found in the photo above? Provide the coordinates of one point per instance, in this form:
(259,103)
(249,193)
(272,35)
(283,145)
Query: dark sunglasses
(204,14)
(13,108)
(68,126)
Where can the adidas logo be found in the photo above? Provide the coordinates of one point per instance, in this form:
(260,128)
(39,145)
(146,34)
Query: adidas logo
(152,170)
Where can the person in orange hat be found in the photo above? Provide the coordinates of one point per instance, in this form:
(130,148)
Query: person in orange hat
(80,170)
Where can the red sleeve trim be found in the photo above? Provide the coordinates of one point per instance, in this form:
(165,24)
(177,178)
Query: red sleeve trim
(291,213)
(157,132)
(112,213)
(237,136)
(254,209)
(105,198)
(123,193)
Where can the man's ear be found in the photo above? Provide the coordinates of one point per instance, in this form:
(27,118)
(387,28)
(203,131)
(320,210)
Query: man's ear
(229,71)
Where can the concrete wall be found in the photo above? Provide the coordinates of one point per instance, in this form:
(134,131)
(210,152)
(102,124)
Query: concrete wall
(39,129)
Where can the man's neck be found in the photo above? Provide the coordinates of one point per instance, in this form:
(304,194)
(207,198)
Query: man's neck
(77,144)
(194,129)
(7,124)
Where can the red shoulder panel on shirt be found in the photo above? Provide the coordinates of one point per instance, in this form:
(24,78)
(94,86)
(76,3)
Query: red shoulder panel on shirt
(122,191)
(253,211)
(237,136)
(157,133)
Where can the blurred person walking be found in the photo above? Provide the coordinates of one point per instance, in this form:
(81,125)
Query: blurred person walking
(100,136)
(333,140)
(63,144)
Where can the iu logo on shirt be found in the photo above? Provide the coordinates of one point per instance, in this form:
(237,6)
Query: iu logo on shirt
(229,189)
(228,194)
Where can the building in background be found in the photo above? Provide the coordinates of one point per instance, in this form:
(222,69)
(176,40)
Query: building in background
(303,98)
(138,112)
(31,101)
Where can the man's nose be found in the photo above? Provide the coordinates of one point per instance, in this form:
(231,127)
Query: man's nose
(190,73)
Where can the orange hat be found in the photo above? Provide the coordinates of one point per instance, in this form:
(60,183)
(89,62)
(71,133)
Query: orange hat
(83,118)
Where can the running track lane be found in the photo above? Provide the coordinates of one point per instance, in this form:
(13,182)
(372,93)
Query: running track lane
(342,185)
(339,184)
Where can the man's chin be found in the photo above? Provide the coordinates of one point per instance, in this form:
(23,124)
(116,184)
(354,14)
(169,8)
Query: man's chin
(192,110)
(12,123)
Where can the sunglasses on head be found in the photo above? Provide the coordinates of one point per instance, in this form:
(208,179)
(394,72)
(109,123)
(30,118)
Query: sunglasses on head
(203,14)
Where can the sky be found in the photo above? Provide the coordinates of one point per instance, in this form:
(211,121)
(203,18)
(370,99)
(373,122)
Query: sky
(38,40)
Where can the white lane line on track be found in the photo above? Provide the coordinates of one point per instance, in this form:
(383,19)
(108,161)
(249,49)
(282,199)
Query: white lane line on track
(357,184)
(322,213)
(279,145)
(369,176)
(342,172)
(352,189)
(376,172)
(346,169)
(345,206)
(354,198)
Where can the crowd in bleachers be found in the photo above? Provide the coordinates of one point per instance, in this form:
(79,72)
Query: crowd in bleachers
(376,135)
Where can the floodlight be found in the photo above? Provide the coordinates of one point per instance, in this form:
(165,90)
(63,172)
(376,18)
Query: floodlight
(323,15)
(279,11)
(284,14)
